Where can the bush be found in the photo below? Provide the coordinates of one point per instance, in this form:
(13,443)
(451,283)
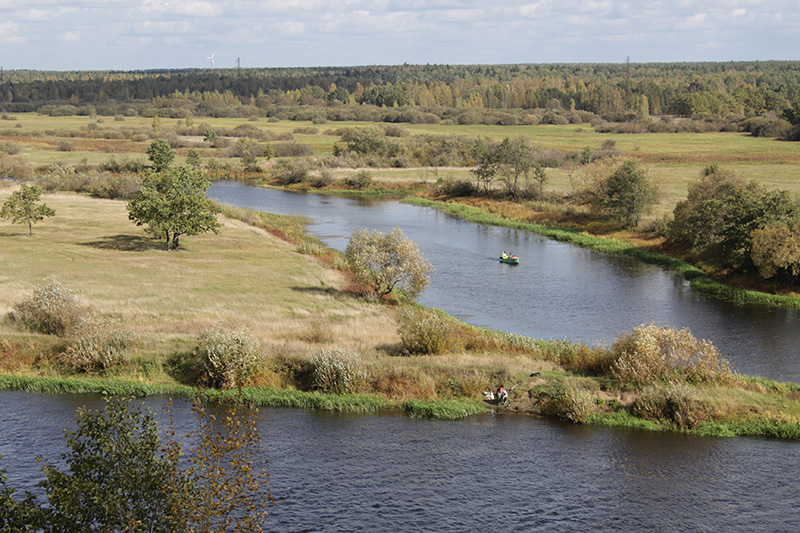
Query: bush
(51,309)
(361,180)
(291,172)
(337,372)
(229,358)
(676,403)
(456,188)
(425,331)
(565,402)
(653,353)
(99,347)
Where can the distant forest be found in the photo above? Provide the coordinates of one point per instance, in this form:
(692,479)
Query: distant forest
(426,93)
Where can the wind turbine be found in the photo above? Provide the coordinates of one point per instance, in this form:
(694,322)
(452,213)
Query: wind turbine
(211,59)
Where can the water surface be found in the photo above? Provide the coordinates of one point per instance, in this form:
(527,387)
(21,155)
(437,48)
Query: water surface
(558,291)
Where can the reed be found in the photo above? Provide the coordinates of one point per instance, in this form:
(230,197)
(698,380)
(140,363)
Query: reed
(442,409)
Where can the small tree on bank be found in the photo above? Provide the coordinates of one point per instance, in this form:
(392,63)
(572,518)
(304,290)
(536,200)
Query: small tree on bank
(21,207)
(382,262)
(629,193)
(174,203)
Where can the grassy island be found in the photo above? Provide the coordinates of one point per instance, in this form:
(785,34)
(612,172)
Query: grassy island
(261,275)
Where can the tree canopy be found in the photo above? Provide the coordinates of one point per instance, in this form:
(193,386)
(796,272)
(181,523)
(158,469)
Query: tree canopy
(21,207)
(173,203)
(383,261)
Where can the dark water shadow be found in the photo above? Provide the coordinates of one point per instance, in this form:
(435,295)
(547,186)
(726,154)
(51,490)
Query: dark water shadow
(126,243)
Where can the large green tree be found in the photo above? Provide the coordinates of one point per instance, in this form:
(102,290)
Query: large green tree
(383,261)
(22,207)
(717,219)
(174,203)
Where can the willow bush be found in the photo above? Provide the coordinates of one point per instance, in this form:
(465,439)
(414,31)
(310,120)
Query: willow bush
(228,358)
(425,331)
(337,371)
(652,353)
(52,309)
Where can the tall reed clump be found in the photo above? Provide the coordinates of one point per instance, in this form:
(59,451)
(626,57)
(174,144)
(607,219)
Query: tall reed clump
(228,358)
(652,353)
(52,309)
(337,372)
(425,331)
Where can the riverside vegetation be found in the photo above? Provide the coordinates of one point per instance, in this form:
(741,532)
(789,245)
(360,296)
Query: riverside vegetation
(281,322)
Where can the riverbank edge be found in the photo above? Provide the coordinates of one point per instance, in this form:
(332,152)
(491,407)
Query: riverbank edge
(259,396)
(700,280)
(443,410)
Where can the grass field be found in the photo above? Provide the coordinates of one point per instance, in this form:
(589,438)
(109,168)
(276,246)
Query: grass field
(242,277)
(674,159)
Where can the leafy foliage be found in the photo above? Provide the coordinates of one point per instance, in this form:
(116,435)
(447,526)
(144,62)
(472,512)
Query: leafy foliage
(629,193)
(720,214)
(21,207)
(116,477)
(160,154)
(120,477)
(173,203)
(381,262)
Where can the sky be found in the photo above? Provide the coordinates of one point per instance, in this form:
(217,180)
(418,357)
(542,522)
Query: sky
(152,34)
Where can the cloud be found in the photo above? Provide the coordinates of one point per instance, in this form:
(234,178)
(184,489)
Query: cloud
(162,28)
(71,36)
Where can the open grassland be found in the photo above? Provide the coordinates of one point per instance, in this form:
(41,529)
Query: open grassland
(295,307)
(673,159)
(242,277)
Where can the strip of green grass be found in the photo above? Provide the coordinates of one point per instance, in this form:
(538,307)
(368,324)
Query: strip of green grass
(701,282)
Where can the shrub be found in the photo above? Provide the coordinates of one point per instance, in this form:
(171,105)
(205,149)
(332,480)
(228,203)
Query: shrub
(99,347)
(229,358)
(456,188)
(566,402)
(290,172)
(653,353)
(361,180)
(15,167)
(337,372)
(51,309)
(10,148)
(425,331)
(676,403)
(65,145)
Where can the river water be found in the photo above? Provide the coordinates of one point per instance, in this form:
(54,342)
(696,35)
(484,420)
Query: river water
(558,291)
(339,472)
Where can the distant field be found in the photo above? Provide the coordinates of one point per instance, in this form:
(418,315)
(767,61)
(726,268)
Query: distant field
(675,159)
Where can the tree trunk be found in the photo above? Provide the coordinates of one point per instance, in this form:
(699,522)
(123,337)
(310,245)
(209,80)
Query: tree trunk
(30,229)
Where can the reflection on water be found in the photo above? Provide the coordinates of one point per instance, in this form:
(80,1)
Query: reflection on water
(558,290)
(339,472)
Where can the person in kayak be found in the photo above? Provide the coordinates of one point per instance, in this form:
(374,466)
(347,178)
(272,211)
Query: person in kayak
(504,256)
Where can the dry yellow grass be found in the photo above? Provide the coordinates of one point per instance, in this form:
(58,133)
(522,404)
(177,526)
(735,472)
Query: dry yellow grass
(243,277)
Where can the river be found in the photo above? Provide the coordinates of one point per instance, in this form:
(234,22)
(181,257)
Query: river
(340,472)
(558,291)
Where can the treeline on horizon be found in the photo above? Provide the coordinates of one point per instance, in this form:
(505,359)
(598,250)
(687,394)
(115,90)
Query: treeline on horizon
(614,92)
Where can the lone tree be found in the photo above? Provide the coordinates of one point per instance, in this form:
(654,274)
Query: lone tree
(382,262)
(174,203)
(160,154)
(21,207)
(629,193)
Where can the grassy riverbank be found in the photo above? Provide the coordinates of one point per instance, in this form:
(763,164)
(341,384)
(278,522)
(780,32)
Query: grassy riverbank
(286,294)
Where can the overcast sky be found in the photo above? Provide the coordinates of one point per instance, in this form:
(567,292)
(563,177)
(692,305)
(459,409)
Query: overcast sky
(145,34)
